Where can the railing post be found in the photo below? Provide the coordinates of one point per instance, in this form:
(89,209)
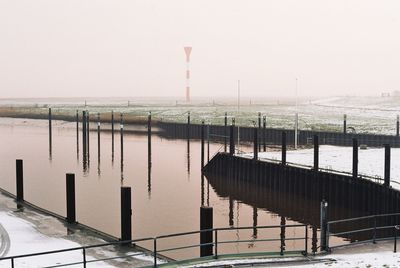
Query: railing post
(324,225)
(306,241)
(374,234)
(155,251)
(216,244)
(84,257)
(395,238)
(20,179)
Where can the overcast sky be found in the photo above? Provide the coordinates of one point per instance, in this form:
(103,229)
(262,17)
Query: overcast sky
(51,48)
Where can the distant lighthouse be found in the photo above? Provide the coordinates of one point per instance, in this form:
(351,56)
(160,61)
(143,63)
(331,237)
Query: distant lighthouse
(188,50)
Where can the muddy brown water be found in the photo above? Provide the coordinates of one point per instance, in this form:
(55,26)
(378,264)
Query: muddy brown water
(166,201)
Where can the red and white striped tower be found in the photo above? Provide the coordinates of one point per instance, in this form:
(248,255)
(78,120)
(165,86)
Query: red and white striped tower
(188,50)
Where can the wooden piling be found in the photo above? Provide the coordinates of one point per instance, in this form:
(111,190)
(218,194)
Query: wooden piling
(50,133)
(206,238)
(255,142)
(283,148)
(188,126)
(88,133)
(77,132)
(202,143)
(112,135)
(225,132)
(20,179)
(397,126)
(316,153)
(122,137)
(387,166)
(265,133)
(232,138)
(355,158)
(126,214)
(70,194)
(344,123)
(84,133)
(98,137)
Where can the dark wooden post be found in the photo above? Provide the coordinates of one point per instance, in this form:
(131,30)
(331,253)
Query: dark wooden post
(84,133)
(355,158)
(20,179)
(98,137)
(397,126)
(206,223)
(77,132)
(88,133)
(283,148)
(126,214)
(112,135)
(70,188)
(344,124)
(232,138)
(50,132)
(202,143)
(316,153)
(149,135)
(324,225)
(259,130)
(265,133)
(188,126)
(225,132)
(387,165)
(255,141)
(122,137)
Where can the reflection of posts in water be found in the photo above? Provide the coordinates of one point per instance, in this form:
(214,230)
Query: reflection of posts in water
(231,211)
(50,135)
(314,240)
(188,156)
(77,134)
(206,238)
(149,154)
(202,190)
(255,218)
(283,235)
(112,136)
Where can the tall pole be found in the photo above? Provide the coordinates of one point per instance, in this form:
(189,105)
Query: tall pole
(50,133)
(238,100)
(188,50)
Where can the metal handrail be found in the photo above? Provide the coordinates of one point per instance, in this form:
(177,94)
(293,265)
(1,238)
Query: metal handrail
(374,228)
(156,252)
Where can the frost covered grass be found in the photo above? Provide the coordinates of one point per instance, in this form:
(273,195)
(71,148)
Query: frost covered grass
(364,114)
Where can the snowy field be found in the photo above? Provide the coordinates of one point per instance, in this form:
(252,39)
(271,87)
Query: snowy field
(370,161)
(364,114)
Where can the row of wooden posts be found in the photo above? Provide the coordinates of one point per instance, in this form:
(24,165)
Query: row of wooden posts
(284,151)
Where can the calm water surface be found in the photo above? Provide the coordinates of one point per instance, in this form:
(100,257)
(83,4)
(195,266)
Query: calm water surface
(166,197)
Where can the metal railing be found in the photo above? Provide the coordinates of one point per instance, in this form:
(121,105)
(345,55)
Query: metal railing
(157,252)
(373,229)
